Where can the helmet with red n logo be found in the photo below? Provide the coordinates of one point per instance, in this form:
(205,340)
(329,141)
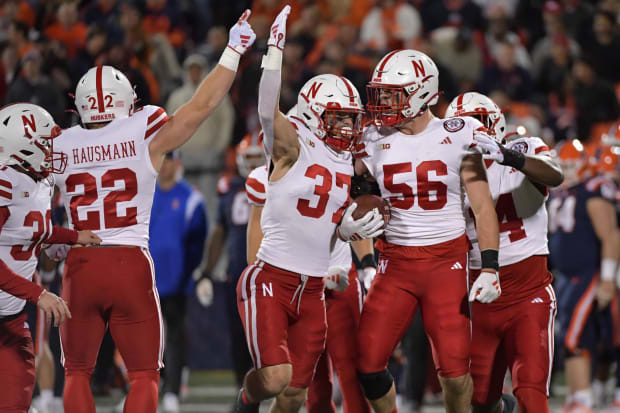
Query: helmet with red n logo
(104,94)
(331,107)
(249,153)
(27,134)
(481,107)
(403,85)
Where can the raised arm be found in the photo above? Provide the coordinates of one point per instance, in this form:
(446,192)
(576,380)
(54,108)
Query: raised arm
(207,97)
(280,136)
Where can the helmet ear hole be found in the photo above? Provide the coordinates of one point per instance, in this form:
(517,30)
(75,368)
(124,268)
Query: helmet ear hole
(25,152)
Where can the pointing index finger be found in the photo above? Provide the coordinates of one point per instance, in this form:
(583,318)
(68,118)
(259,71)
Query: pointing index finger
(244,17)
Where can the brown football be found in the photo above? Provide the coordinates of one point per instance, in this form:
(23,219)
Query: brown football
(367,202)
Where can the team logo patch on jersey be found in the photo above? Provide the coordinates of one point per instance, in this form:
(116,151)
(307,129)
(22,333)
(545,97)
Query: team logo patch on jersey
(383,146)
(520,147)
(454,124)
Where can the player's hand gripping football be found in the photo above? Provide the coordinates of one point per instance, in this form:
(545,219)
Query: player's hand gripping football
(88,238)
(489,147)
(52,305)
(368,226)
(241,35)
(486,288)
(337,278)
(277,33)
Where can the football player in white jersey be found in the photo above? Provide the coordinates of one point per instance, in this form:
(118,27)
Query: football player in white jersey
(344,297)
(280,296)
(516,330)
(108,187)
(26,187)
(420,163)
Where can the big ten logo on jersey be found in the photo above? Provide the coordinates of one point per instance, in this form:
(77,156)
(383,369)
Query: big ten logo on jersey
(267,289)
(431,195)
(240,209)
(328,184)
(41,230)
(383,146)
(87,188)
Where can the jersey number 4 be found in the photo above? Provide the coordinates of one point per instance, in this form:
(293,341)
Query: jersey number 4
(110,211)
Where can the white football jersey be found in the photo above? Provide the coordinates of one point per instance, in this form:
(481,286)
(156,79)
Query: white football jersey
(109,182)
(420,176)
(520,207)
(304,207)
(29,224)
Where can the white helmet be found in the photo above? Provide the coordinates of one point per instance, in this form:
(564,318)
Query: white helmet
(27,134)
(409,79)
(481,107)
(322,101)
(249,153)
(104,94)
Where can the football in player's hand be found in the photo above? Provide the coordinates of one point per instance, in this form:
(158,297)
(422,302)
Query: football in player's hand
(367,203)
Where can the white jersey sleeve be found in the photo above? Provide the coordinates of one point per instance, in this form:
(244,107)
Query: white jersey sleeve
(109,181)
(420,176)
(520,207)
(256,186)
(28,225)
(304,206)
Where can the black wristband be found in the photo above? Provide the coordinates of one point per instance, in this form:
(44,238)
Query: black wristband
(513,158)
(368,261)
(490,259)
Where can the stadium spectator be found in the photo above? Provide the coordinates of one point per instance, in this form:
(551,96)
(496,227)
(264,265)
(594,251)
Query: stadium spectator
(177,234)
(391,24)
(68,29)
(34,86)
(595,99)
(507,75)
(603,46)
(203,154)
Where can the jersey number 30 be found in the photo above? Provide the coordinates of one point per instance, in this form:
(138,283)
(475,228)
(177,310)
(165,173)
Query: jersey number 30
(111,219)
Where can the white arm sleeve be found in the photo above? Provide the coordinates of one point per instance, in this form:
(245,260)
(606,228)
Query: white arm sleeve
(268,92)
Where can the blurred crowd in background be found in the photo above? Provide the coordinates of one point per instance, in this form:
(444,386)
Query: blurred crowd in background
(553,65)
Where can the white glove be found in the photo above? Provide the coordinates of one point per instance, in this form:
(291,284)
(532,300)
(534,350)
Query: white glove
(337,278)
(486,288)
(368,274)
(57,252)
(241,35)
(204,292)
(488,146)
(368,226)
(277,33)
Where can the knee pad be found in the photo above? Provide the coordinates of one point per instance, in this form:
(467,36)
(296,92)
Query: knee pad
(375,385)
